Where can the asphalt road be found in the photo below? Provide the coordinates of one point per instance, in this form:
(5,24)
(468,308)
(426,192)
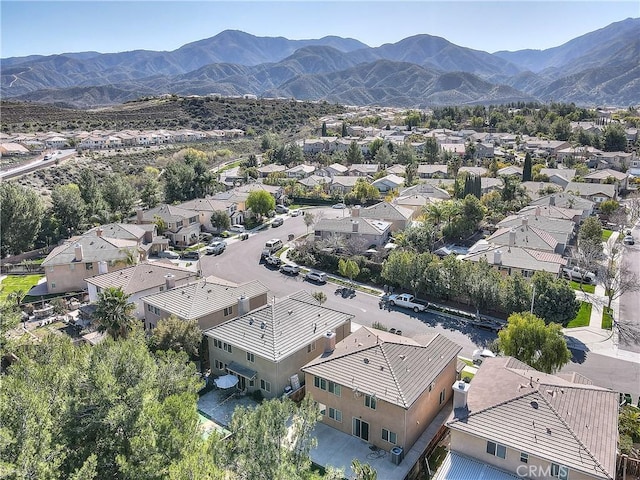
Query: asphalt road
(629,317)
(241,262)
(37,164)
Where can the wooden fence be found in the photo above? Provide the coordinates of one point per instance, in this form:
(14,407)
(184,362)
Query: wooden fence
(628,468)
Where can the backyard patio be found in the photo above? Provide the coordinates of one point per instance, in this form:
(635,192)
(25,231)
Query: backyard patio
(219,404)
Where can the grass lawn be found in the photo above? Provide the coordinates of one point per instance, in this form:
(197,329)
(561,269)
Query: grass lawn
(607,318)
(13,283)
(468,362)
(588,288)
(583,317)
(606,234)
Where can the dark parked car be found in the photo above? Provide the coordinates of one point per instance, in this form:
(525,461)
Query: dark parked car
(277,222)
(192,255)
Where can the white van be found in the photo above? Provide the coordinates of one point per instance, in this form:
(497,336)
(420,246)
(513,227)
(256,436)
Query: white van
(273,245)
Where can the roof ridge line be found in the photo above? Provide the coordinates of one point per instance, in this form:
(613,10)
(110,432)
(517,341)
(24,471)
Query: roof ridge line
(491,407)
(393,375)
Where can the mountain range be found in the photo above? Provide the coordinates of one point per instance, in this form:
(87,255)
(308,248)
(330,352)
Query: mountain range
(598,68)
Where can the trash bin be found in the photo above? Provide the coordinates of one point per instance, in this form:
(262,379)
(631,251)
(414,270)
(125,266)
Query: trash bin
(291,236)
(397,454)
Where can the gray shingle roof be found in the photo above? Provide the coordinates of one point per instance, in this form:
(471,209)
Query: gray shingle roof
(124,231)
(529,237)
(140,277)
(280,328)
(203,297)
(394,369)
(546,416)
(516,257)
(386,211)
(589,189)
(548,224)
(94,249)
(551,211)
(169,213)
(344,225)
(565,200)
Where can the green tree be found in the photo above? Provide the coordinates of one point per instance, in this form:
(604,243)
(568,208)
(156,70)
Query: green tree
(320,297)
(260,202)
(363,191)
(555,301)
(114,313)
(615,138)
(376,145)
(531,341)
(628,428)
(431,150)
(608,207)
(344,132)
(363,471)
(90,191)
(151,194)
(119,195)
(590,238)
(382,156)
(526,171)
(406,155)
(21,215)
(178,181)
(179,335)
(348,268)
(515,293)
(220,220)
(68,207)
(308,218)
(483,284)
(354,154)
(324,129)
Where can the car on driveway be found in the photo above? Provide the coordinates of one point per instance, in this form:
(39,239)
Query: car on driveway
(216,248)
(295,213)
(237,228)
(277,222)
(191,255)
(282,209)
(290,269)
(339,206)
(169,254)
(273,261)
(629,240)
(318,277)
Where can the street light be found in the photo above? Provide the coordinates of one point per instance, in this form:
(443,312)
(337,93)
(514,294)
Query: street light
(533,297)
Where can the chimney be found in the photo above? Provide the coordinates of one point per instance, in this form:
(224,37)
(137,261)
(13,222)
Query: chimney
(78,252)
(354,226)
(243,305)
(538,211)
(525,222)
(497,257)
(329,341)
(460,392)
(355,212)
(169,281)
(552,201)
(512,238)
(139,213)
(102,267)
(99,232)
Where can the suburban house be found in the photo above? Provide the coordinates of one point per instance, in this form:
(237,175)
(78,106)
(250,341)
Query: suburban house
(579,154)
(484,150)
(205,207)
(432,171)
(428,190)
(526,236)
(536,190)
(552,211)
(529,424)
(479,171)
(68,265)
(396,169)
(399,217)
(140,281)
(146,236)
(512,260)
(313,181)
(182,226)
(334,169)
(596,192)
(388,183)
(343,184)
(267,346)
(366,230)
(567,200)
(210,301)
(510,171)
(381,387)
(610,160)
(489,184)
(562,230)
(608,176)
(363,169)
(300,171)
(559,176)
(265,170)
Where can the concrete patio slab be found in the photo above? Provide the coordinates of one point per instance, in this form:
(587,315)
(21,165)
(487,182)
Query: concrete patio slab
(219,405)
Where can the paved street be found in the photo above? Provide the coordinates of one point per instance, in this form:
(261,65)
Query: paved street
(240,263)
(629,316)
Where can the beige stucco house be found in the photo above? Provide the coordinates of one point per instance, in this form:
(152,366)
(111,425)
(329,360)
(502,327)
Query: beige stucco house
(400,217)
(519,420)
(368,231)
(267,346)
(381,387)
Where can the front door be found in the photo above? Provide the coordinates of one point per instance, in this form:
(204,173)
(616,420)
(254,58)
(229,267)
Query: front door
(361,429)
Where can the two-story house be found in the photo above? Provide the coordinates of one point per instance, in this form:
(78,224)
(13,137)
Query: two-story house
(595,192)
(205,207)
(400,217)
(182,226)
(567,200)
(266,347)
(432,171)
(369,231)
(381,387)
(608,176)
(560,229)
(527,236)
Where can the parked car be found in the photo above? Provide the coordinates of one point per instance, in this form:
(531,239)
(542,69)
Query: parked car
(295,213)
(281,209)
(480,354)
(339,206)
(318,277)
(169,254)
(273,260)
(576,274)
(277,222)
(290,269)
(405,300)
(191,255)
(628,240)
(216,248)
(237,228)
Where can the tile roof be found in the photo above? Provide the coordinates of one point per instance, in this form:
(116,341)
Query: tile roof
(203,297)
(126,231)
(141,276)
(391,367)
(345,180)
(565,200)
(206,205)
(551,211)
(548,224)
(526,237)
(426,168)
(366,226)
(544,415)
(566,173)
(517,257)
(282,327)
(386,211)
(94,249)
(591,189)
(169,213)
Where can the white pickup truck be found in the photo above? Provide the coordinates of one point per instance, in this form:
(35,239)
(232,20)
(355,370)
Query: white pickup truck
(405,300)
(576,274)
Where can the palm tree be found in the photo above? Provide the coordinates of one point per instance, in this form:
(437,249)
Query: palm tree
(114,313)
(434,212)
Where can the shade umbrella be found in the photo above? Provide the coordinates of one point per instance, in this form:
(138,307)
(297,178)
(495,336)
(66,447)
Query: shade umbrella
(226,381)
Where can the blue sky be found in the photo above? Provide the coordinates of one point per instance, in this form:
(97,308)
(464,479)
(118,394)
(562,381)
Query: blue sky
(50,27)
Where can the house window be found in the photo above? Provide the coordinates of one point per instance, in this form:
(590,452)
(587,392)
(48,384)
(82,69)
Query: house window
(150,308)
(335,415)
(320,383)
(179,224)
(496,450)
(524,457)
(88,266)
(264,385)
(311,347)
(217,343)
(228,311)
(252,383)
(227,347)
(370,401)
(390,437)
(53,285)
(442,396)
(250,357)
(559,471)
(335,389)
